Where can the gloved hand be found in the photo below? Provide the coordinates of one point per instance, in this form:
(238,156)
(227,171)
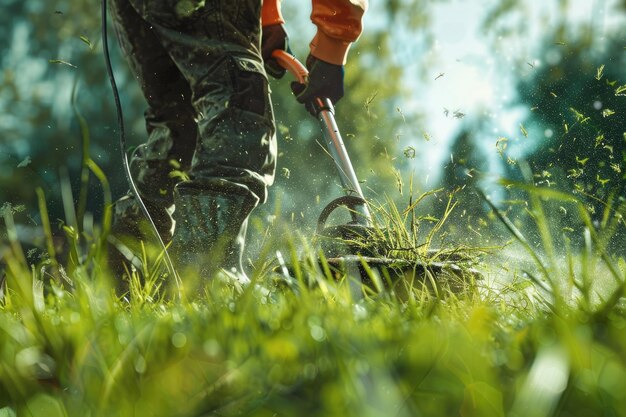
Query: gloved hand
(325,81)
(274,37)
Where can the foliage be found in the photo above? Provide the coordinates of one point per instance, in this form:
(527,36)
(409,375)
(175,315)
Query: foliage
(71,346)
(52,67)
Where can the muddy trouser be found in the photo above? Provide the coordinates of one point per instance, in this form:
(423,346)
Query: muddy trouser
(209,118)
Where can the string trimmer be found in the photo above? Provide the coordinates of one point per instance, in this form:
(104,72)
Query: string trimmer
(345,246)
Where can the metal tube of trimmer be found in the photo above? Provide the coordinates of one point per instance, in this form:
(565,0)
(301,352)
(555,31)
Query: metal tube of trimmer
(337,149)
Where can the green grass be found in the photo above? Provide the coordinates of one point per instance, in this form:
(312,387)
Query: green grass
(539,340)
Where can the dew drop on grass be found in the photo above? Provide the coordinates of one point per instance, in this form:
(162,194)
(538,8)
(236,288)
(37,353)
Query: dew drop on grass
(25,162)
(315,327)
(360,313)
(179,340)
(27,358)
(211,347)
(140,364)
(317,333)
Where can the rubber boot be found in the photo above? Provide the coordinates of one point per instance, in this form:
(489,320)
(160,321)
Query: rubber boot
(129,229)
(210,232)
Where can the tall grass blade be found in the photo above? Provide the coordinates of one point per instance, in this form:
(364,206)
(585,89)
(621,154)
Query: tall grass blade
(518,236)
(85,157)
(45,222)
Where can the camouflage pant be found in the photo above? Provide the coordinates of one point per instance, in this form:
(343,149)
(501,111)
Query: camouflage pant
(209,113)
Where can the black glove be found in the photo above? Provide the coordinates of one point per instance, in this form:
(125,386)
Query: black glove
(274,37)
(325,81)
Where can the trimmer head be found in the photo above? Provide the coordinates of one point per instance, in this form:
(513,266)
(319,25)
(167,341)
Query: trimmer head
(350,250)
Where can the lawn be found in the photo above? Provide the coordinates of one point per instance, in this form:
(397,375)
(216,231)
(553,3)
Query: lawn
(539,340)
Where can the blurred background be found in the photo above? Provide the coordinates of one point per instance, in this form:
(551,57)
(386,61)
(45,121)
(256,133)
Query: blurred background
(451,95)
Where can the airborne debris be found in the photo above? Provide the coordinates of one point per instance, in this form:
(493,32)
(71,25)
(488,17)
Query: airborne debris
(575,173)
(602,181)
(581,161)
(523,130)
(409,152)
(86,41)
(60,61)
(25,162)
(8,209)
(399,110)
(457,114)
(368,101)
(599,140)
(581,118)
(607,112)
(501,145)
(600,72)
(616,167)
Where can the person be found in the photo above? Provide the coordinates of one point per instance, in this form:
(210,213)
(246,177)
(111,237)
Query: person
(210,155)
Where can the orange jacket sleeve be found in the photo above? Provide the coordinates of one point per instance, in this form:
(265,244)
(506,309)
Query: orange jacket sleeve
(339,23)
(270,13)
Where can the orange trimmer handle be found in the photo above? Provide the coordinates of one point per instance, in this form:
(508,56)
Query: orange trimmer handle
(291,64)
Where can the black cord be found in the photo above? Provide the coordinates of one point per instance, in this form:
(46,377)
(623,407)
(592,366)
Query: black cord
(122,138)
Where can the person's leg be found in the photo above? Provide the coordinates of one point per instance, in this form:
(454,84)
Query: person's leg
(170,117)
(172,134)
(216,47)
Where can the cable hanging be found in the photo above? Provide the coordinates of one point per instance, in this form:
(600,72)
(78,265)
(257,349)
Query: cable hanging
(122,139)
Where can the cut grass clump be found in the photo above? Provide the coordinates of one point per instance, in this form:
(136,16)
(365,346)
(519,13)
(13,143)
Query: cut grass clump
(400,250)
(402,234)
